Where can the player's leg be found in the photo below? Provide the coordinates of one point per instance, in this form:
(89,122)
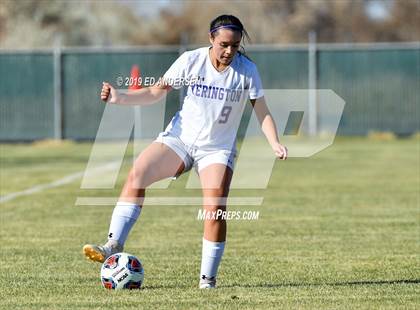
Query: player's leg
(158,161)
(215,181)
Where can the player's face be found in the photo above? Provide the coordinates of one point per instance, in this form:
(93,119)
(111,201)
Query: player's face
(225,43)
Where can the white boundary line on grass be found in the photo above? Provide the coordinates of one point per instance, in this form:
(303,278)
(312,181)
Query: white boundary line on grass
(169,201)
(66,180)
(101,201)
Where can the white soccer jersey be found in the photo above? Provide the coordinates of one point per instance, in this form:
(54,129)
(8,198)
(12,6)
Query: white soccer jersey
(213,106)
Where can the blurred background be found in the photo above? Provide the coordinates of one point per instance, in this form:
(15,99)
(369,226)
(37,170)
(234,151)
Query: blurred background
(340,227)
(55,54)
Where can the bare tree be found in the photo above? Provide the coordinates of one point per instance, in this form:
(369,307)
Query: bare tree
(33,23)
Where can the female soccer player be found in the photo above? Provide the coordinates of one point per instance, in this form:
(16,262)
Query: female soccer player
(201,135)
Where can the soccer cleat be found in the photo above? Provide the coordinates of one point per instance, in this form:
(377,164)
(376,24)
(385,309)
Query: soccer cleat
(99,253)
(207,282)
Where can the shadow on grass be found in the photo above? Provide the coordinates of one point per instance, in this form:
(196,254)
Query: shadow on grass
(274,285)
(160,287)
(349,283)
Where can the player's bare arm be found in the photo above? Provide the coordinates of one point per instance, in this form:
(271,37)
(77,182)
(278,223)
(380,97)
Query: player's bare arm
(144,96)
(268,127)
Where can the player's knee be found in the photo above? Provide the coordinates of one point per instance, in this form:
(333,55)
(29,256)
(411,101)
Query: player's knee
(215,223)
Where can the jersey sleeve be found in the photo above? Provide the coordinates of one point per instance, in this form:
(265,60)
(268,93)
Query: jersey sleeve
(175,75)
(255,86)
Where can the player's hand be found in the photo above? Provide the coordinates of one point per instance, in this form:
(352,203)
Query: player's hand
(108,93)
(280,151)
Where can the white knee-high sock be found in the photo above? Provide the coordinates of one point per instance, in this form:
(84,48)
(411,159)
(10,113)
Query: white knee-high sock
(211,257)
(123,218)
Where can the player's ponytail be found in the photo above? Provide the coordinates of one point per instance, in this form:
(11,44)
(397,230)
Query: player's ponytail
(229,22)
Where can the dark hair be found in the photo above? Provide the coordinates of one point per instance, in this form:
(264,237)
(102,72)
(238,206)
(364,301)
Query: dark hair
(229,22)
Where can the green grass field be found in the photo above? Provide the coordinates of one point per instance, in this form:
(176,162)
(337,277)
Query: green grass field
(338,230)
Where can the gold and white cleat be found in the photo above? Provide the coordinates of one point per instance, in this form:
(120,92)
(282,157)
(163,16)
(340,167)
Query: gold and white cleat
(96,253)
(99,253)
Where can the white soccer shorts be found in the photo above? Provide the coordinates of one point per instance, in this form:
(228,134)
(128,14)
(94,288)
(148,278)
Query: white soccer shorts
(198,158)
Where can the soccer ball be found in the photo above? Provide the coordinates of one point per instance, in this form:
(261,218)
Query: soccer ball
(122,271)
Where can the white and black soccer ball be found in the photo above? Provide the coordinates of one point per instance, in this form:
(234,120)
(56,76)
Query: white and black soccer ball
(122,271)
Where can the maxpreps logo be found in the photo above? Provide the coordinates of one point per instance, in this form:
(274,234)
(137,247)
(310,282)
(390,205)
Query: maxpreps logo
(316,131)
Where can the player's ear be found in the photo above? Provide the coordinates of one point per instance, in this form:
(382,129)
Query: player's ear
(211,39)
